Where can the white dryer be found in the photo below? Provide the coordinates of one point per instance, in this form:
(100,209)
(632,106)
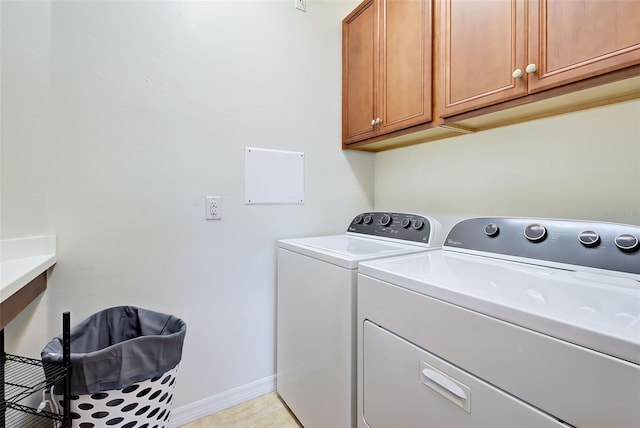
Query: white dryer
(514,323)
(316,312)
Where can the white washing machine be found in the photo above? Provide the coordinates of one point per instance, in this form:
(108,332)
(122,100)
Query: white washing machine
(513,323)
(316,313)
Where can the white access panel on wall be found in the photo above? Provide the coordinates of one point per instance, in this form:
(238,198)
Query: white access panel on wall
(273,176)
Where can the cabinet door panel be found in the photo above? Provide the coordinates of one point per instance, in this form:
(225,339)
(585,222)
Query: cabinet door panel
(405,87)
(359,73)
(574,40)
(482,43)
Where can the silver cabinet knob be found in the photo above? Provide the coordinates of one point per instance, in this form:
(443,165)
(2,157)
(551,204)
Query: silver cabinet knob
(517,73)
(373,122)
(531,68)
(378,120)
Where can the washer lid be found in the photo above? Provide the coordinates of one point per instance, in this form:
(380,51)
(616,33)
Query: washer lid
(346,250)
(599,312)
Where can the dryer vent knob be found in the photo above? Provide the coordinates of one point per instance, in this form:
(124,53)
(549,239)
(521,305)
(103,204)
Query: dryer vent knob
(627,242)
(589,238)
(535,232)
(492,229)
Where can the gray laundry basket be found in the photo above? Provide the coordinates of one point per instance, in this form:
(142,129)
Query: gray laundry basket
(123,366)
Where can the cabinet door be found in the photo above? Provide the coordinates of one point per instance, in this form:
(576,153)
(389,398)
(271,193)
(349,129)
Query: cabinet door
(482,43)
(574,40)
(405,64)
(359,72)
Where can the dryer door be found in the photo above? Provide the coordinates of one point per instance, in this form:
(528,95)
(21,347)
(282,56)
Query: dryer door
(406,386)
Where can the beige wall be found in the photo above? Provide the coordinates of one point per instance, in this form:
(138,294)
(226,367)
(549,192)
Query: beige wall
(25,131)
(584,165)
(133,112)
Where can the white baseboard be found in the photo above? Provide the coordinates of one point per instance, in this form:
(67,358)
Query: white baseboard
(208,406)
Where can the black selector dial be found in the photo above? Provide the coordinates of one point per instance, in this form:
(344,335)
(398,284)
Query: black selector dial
(627,242)
(417,224)
(385,220)
(368,219)
(492,229)
(358,219)
(535,232)
(589,238)
(405,223)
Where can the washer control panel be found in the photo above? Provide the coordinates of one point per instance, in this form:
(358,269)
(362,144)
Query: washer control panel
(401,226)
(597,245)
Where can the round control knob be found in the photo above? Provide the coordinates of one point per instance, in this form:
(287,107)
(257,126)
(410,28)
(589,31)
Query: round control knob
(385,220)
(418,224)
(589,238)
(368,219)
(405,223)
(491,229)
(627,242)
(358,219)
(535,232)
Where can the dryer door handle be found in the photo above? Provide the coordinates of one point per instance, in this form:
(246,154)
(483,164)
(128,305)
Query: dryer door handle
(456,392)
(444,381)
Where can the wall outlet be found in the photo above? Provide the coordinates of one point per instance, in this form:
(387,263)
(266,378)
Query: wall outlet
(301,5)
(213,208)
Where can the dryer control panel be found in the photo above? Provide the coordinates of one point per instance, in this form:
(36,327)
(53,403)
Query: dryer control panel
(609,246)
(396,226)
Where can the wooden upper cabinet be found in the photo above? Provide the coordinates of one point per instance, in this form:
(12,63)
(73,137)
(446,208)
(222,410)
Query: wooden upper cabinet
(386,68)
(359,72)
(481,44)
(405,64)
(488,55)
(574,40)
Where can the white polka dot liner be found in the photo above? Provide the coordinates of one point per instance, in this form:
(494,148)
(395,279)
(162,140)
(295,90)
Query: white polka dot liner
(144,404)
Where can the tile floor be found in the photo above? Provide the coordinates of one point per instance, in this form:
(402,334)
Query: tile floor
(266,411)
